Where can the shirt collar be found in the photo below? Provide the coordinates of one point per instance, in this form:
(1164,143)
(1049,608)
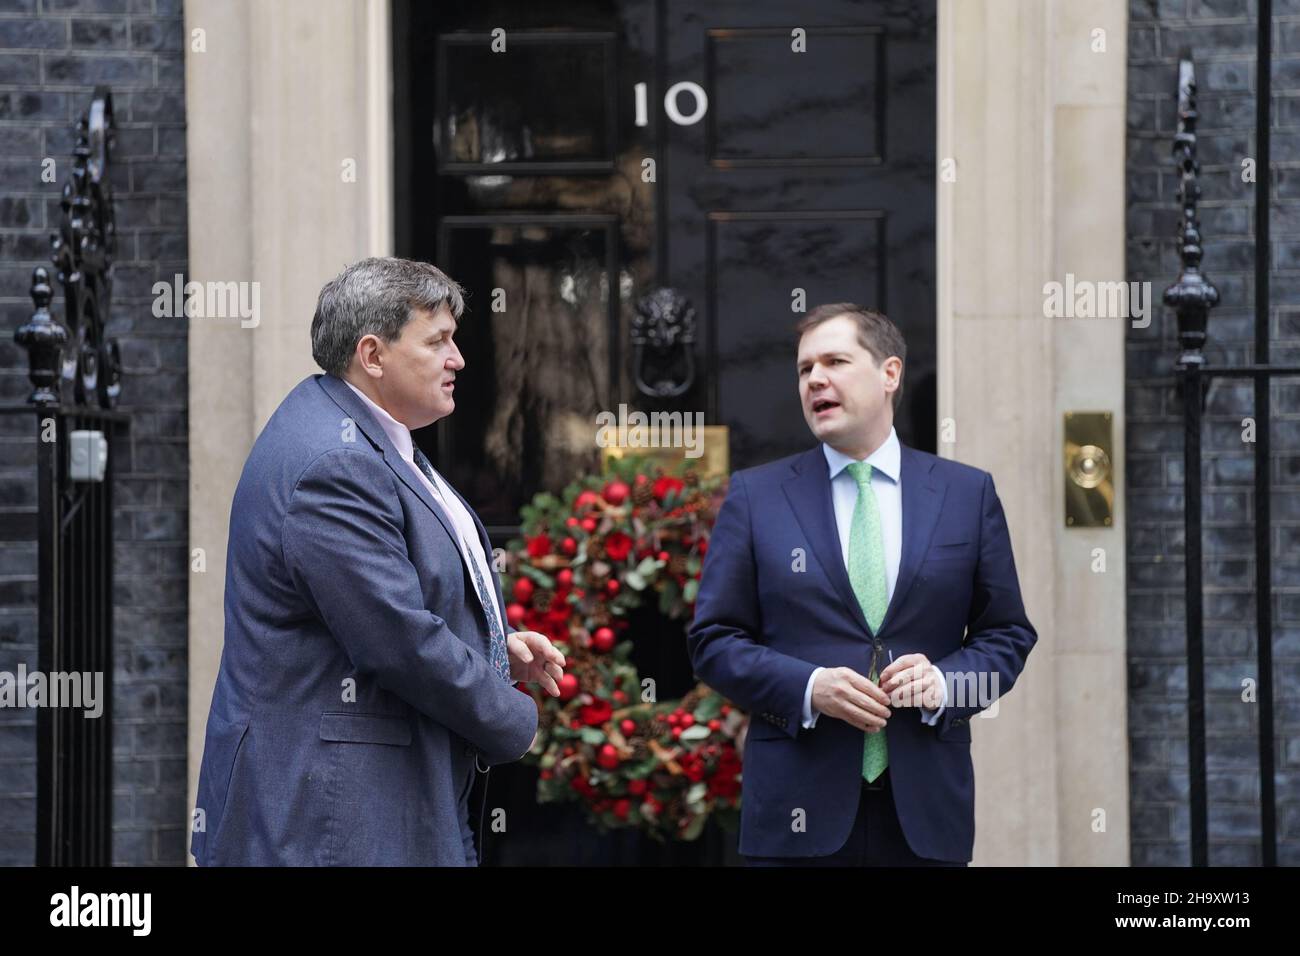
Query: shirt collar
(397,433)
(885,459)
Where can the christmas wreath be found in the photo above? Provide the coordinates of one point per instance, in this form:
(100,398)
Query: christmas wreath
(587,558)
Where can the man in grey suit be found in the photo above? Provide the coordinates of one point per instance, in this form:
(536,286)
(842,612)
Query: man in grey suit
(366,675)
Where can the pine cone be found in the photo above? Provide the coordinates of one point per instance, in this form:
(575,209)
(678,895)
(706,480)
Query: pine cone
(542,600)
(691,477)
(677,564)
(642,494)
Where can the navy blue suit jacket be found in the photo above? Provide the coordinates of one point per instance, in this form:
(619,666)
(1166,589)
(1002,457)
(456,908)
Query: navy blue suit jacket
(355,695)
(761,627)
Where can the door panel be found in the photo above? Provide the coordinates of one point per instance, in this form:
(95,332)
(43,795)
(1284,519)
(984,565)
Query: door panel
(521,174)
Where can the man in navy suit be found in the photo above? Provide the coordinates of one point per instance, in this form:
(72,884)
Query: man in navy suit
(366,673)
(861,601)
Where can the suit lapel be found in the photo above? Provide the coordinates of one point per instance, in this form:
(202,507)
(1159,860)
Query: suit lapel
(809,492)
(344,397)
(922,503)
(487,553)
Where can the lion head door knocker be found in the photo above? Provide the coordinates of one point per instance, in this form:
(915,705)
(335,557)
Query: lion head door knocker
(664,326)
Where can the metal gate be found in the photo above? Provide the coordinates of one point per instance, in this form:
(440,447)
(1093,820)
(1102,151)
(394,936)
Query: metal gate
(74,371)
(1192,297)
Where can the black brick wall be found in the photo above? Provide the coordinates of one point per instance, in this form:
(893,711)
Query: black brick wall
(1220,36)
(52,53)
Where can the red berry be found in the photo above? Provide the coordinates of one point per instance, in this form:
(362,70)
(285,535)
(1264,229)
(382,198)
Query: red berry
(564,578)
(664,555)
(571,521)
(523,590)
(636,787)
(620,697)
(612,587)
(715,724)
(677,732)
(688,720)
(588,524)
(569,546)
(674,719)
(628,726)
(515,614)
(621,808)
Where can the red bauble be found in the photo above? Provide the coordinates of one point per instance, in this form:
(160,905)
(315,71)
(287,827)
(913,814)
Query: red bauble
(664,555)
(588,524)
(688,720)
(585,500)
(607,757)
(612,587)
(621,808)
(677,732)
(569,547)
(636,787)
(523,592)
(619,697)
(715,724)
(674,719)
(568,687)
(539,546)
(603,640)
(628,726)
(515,614)
(616,492)
(564,578)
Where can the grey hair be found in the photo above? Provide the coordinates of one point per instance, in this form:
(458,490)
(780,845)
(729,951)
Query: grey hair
(376,297)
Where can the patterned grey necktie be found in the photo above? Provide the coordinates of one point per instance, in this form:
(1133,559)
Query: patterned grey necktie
(499,656)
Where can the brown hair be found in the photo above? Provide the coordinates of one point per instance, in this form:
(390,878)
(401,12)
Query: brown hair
(876,333)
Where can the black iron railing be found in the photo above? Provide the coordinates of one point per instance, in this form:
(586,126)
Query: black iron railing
(1192,297)
(74,369)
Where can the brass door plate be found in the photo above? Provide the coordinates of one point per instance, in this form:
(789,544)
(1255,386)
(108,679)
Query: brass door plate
(1089,470)
(715,462)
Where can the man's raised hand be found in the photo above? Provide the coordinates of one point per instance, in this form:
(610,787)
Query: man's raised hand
(534,660)
(843,693)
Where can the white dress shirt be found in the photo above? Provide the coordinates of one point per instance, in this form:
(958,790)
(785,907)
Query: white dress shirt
(886,474)
(471,548)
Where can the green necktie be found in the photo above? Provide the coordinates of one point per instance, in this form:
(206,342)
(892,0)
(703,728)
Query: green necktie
(867,575)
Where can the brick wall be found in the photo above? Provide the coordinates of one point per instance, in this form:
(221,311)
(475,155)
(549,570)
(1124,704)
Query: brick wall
(52,54)
(1220,36)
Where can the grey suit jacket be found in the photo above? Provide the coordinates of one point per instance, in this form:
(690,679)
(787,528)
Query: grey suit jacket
(355,694)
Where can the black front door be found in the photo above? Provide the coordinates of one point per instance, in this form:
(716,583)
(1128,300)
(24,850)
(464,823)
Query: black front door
(754,158)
